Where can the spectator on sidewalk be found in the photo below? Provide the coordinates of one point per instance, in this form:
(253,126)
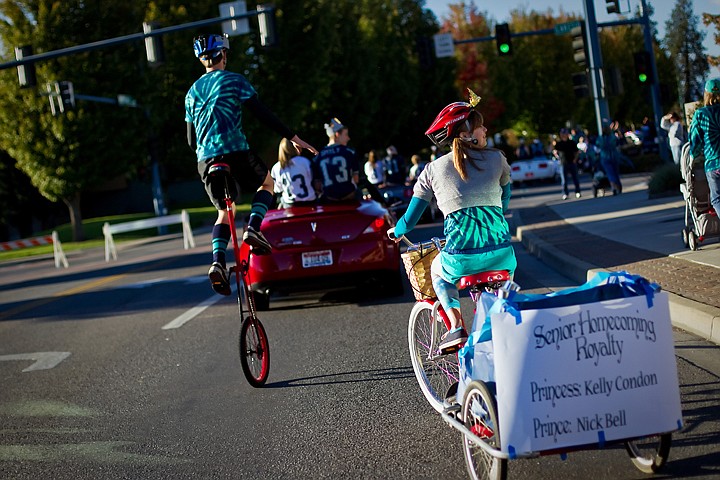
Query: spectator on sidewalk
(567,152)
(395,169)
(676,134)
(610,158)
(522,152)
(417,167)
(374,169)
(705,138)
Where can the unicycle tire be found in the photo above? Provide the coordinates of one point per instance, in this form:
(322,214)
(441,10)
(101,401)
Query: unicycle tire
(479,413)
(650,454)
(254,352)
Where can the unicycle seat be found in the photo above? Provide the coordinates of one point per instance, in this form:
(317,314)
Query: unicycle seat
(219,170)
(491,278)
(222,183)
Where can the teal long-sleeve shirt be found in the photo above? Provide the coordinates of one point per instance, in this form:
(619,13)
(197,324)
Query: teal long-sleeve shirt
(705,136)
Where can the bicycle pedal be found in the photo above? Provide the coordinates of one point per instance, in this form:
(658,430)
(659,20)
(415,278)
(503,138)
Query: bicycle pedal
(452,409)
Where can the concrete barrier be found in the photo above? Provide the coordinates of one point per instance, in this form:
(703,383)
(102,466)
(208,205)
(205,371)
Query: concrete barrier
(109,230)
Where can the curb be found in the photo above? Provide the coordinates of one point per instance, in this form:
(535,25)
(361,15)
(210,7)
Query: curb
(694,317)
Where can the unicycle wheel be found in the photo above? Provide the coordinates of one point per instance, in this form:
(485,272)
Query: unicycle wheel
(254,351)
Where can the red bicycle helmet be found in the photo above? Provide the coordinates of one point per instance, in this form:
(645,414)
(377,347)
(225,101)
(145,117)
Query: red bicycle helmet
(441,130)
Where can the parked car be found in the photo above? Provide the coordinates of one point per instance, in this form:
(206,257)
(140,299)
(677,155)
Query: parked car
(326,246)
(631,145)
(536,168)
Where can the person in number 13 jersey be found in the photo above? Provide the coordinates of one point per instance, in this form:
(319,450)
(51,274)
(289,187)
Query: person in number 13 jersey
(335,168)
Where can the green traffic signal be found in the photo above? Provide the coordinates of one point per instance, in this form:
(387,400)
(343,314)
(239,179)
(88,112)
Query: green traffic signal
(503,40)
(642,77)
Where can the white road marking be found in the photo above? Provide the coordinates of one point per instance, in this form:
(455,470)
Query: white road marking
(43,360)
(146,283)
(193,312)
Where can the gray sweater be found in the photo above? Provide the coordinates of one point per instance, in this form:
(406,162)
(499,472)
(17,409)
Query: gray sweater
(482,187)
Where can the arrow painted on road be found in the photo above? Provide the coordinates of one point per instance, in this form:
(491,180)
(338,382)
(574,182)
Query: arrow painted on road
(43,360)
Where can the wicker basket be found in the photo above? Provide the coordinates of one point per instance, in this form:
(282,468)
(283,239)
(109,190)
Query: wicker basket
(417,260)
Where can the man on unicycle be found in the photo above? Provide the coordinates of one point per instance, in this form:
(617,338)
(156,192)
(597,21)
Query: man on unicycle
(213,113)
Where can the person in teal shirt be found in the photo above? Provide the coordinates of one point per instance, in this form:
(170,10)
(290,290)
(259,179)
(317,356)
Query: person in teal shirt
(705,138)
(472,187)
(213,114)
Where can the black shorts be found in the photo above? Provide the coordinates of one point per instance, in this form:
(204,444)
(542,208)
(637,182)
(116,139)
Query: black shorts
(247,169)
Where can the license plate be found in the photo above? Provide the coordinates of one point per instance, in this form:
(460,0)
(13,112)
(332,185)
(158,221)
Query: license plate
(322,258)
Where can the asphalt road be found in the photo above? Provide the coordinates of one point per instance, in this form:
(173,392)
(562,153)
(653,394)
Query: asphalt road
(150,391)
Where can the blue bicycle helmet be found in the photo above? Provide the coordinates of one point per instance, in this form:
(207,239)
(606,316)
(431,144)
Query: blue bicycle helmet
(210,46)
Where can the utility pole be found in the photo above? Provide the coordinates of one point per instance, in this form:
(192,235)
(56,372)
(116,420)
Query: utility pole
(654,85)
(602,110)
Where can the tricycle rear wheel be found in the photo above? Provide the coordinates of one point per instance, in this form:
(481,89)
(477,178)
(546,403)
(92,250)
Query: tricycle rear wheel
(479,413)
(651,453)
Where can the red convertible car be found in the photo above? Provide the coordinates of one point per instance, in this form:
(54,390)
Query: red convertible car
(326,246)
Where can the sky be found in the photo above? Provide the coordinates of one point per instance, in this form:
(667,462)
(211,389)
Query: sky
(499,11)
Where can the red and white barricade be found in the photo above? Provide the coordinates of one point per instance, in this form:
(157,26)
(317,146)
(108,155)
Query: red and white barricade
(54,240)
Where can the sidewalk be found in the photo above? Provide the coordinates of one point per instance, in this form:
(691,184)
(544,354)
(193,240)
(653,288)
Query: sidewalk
(633,233)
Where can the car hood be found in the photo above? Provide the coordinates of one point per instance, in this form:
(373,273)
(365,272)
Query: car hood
(322,224)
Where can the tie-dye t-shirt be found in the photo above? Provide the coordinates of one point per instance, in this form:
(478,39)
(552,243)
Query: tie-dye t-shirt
(214,106)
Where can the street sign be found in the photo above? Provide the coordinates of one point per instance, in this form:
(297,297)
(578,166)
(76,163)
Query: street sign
(444,45)
(233,28)
(563,28)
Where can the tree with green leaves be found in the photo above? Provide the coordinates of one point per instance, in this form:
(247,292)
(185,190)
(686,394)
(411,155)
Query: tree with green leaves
(683,42)
(92,143)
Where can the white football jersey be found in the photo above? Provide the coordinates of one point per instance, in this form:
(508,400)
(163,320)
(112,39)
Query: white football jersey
(294,182)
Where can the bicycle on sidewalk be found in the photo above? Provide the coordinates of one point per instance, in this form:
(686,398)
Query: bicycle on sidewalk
(253,342)
(437,372)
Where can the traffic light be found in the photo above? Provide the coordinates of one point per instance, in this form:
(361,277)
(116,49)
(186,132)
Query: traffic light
(643,67)
(503,42)
(67,96)
(63,94)
(580,85)
(612,6)
(424,47)
(153,45)
(26,73)
(578,44)
(266,24)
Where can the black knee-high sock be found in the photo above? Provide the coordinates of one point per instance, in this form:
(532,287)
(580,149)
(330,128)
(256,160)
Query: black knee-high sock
(261,203)
(220,240)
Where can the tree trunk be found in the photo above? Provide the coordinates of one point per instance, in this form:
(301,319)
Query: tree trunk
(73,205)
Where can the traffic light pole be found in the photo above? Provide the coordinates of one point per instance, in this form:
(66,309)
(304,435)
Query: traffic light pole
(263,11)
(654,86)
(602,110)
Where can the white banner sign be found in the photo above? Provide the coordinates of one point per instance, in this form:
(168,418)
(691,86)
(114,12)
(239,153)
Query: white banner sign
(585,374)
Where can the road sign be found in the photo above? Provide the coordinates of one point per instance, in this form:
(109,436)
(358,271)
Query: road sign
(444,45)
(563,28)
(236,27)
